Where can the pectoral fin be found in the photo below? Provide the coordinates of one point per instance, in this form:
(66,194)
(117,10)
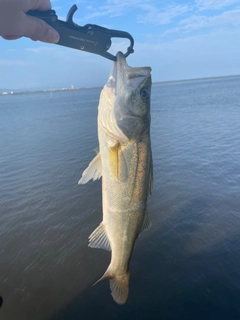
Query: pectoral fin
(117,162)
(114,160)
(93,171)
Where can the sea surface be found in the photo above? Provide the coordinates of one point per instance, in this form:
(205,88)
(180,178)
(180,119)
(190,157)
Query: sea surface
(186,267)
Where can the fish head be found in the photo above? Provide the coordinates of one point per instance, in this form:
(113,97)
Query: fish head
(131,88)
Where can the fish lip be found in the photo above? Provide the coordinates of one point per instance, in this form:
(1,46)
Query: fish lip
(118,73)
(121,72)
(123,76)
(121,64)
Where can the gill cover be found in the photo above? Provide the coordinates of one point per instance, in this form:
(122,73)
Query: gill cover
(132,104)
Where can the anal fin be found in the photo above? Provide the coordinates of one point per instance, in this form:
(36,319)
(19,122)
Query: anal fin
(99,239)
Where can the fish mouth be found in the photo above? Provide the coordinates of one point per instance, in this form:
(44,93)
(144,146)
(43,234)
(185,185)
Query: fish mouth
(123,76)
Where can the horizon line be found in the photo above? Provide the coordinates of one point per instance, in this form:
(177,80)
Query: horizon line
(9,92)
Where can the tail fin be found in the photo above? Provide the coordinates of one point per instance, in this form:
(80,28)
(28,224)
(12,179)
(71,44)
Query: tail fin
(118,285)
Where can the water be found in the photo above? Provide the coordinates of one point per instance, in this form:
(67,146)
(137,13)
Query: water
(187,266)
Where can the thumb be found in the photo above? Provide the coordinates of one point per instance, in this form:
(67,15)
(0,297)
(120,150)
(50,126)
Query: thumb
(37,29)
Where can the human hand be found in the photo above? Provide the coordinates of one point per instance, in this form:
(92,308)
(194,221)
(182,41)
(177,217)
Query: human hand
(15,23)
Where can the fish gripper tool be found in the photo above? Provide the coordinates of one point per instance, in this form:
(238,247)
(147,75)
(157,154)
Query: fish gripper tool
(89,38)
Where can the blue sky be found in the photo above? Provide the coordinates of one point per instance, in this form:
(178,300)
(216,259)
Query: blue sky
(178,39)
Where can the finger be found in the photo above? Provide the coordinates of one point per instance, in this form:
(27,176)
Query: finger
(37,29)
(11,37)
(37,5)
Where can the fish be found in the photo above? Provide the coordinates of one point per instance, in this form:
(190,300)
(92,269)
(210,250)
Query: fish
(124,161)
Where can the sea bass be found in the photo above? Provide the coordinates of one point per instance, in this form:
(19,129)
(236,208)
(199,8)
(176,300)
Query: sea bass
(124,162)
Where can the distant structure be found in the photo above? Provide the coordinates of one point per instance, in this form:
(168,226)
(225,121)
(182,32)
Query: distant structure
(5,92)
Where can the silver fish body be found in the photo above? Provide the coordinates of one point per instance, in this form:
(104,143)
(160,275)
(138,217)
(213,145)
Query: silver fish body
(125,163)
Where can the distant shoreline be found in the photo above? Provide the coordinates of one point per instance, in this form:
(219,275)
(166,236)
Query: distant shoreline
(197,79)
(50,91)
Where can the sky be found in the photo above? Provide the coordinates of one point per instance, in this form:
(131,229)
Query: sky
(178,39)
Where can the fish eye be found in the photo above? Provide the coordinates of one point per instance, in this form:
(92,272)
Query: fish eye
(144,93)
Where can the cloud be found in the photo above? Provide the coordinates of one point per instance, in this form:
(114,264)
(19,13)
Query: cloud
(205,23)
(113,8)
(14,63)
(156,16)
(119,45)
(214,4)
(152,12)
(179,39)
(230,18)
(189,57)
(146,12)
(41,50)
(55,52)
(80,1)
